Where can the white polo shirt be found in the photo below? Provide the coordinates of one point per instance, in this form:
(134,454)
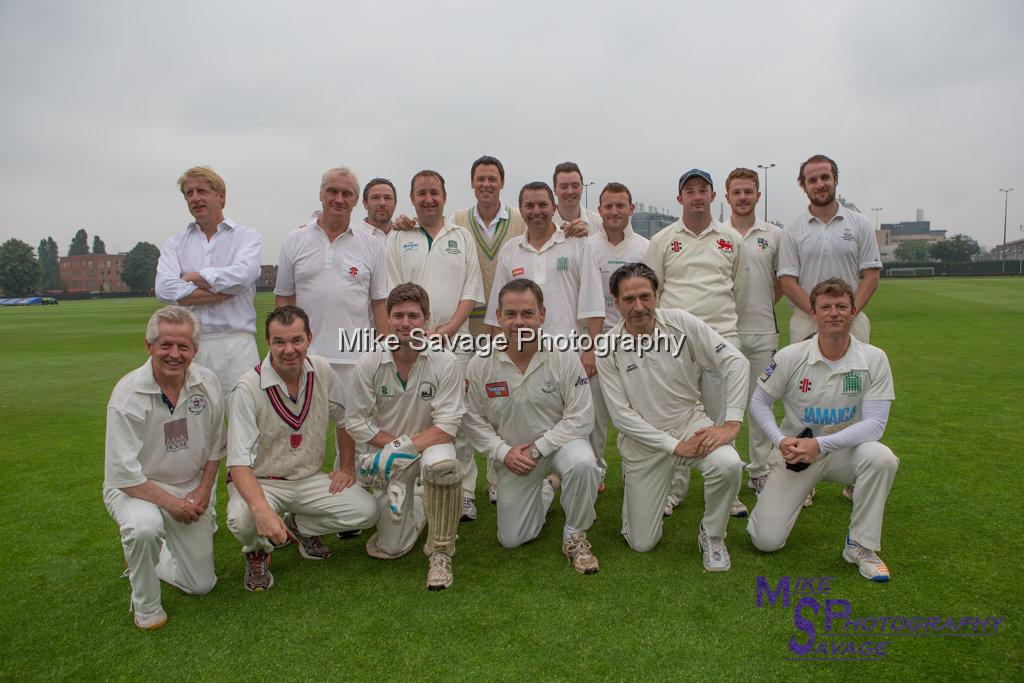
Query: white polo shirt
(549,404)
(380,400)
(703,274)
(761,248)
(610,257)
(651,398)
(333,282)
(445,266)
(373,230)
(566,272)
(146,440)
(591,218)
(813,251)
(827,399)
(230,262)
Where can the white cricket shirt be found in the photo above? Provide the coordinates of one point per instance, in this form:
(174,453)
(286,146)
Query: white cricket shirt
(591,218)
(761,249)
(609,257)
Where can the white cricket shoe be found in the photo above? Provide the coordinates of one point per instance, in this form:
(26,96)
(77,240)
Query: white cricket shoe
(468,510)
(577,550)
(809,501)
(716,555)
(737,508)
(150,621)
(440,575)
(758,483)
(668,509)
(870,565)
(492,494)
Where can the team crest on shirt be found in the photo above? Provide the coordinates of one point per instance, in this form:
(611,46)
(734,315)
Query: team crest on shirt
(427,390)
(549,386)
(384,391)
(452,248)
(763,243)
(724,246)
(295,440)
(768,371)
(562,263)
(497,389)
(518,272)
(848,234)
(411,246)
(676,247)
(851,382)
(196,404)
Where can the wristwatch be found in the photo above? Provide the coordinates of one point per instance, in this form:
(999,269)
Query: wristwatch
(534,452)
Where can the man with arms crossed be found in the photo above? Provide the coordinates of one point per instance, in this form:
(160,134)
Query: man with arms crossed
(701,265)
(412,403)
(277,431)
(212,266)
(530,412)
(758,334)
(165,436)
(653,401)
(836,392)
(614,245)
(441,257)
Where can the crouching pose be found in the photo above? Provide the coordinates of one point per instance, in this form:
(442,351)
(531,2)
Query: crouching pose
(530,412)
(836,392)
(409,404)
(165,441)
(277,433)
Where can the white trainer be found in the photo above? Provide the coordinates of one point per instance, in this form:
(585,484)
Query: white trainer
(870,565)
(715,554)
(492,494)
(151,621)
(440,575)
(468,510)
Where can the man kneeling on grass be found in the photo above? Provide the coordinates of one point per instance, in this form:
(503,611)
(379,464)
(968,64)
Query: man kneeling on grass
(277,432)
(165,440)
(836,392)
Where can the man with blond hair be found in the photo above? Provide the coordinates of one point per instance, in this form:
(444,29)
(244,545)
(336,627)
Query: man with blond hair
(164,444)
(212,267)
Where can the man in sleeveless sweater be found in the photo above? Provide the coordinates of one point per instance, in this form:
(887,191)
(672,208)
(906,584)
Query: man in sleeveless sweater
(278,418)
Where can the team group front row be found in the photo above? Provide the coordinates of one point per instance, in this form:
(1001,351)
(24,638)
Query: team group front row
(680,331)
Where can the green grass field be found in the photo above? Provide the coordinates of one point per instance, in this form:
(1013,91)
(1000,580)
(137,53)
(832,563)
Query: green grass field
(952,540)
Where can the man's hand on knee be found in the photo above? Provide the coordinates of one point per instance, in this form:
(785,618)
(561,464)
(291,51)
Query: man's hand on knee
(519,461)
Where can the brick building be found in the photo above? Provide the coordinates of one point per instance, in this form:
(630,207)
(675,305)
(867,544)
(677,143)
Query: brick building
(93,273)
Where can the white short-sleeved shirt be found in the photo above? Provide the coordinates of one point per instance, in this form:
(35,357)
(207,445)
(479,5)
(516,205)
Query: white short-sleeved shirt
(610,257)
(813,251)
(373,230)
(702,274)
(566,272)
(379,400)
(762,255)
(549,404)
(446,266)
(333,282)
(591,218)
(825,399)
(146,440)
(230,262)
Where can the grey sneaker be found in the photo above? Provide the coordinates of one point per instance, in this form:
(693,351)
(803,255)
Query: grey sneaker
(468,510)
(440,575)
(151,621)
(716,556)
(310,547)
(257,571)
(577,550)
(870,565)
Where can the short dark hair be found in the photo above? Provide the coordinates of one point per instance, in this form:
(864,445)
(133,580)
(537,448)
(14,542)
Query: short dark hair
(519,285)
(615,187)
(566,167)
(832,287)
(631,270)
(537,185)
(406,292)
(286,315)
(426,173)
(487,161)
(379,181)
(814,159)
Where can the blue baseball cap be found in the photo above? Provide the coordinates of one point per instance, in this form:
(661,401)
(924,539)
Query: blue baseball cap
(695,173)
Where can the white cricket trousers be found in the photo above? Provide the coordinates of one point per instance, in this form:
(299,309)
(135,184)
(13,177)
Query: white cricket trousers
(230,355)
(759,350)
(599,436)
(646,475)
(870,467)
(802,326)
(398,538)
(523,500)
(316,510)
(158,547)
(464,451)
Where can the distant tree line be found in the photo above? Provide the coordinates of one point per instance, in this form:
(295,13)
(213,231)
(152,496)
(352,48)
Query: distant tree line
(956,249)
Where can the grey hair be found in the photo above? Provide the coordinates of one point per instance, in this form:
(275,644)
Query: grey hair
(339,170)
(175,315)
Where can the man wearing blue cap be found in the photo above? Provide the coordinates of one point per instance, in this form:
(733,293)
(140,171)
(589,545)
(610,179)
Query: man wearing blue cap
(700,264)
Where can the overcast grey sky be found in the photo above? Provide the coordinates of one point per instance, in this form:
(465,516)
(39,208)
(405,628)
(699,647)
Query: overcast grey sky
(105,103)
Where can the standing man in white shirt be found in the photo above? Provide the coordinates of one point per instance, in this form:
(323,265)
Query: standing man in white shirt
(571,216)
(758,332)
(212,266)
(836,391)
(614,245)
(653,400)
(379,200)
(165,441)
(529,411)
(441,257)
(825,241)
(335,273)
(701,266)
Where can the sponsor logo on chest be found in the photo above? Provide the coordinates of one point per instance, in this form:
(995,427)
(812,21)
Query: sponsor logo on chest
(497,389)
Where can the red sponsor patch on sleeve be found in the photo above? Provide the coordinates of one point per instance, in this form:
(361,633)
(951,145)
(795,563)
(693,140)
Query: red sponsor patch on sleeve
(497,390)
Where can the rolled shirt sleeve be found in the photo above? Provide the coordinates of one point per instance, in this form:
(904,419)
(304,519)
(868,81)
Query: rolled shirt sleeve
(789,256)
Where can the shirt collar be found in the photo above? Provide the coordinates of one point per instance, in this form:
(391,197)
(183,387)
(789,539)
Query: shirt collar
(627,234)
(841,215)
(539,358)
(853,359)
(557,238)
(320,231)
(226,224)
(147,382)
(270,378)
(502,215)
